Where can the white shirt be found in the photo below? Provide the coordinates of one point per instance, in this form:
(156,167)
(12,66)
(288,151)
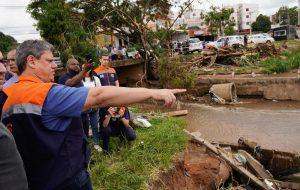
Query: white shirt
(88,83)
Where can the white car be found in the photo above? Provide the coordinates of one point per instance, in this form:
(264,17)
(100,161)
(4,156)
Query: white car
(195,45)
(132,53)
(260,38)
(232,40)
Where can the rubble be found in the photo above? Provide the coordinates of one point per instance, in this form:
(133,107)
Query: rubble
(209,166)
(231,56)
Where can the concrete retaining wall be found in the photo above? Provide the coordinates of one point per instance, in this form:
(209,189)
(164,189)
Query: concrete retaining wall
(277,88)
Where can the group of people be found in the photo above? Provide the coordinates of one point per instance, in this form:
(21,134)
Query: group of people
(115,53)
(43,143)
(114,121)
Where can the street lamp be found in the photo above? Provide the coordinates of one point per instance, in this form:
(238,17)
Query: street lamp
(250,13)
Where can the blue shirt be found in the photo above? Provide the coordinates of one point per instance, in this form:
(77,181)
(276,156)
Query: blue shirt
(11,81)
(103,113)
(7,76)
(62,104)
(63,79)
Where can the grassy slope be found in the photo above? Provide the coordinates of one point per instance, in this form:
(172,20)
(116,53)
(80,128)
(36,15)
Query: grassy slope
(132,166)
(286,61)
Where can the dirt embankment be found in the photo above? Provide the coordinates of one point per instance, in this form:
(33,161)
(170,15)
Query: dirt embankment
(197,169)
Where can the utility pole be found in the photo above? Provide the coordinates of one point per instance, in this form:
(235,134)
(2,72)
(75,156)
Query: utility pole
(250,15)
(298,12)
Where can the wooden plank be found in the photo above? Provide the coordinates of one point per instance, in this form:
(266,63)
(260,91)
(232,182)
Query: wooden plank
(255,166)
(289,185)
(229,160)
(176,113)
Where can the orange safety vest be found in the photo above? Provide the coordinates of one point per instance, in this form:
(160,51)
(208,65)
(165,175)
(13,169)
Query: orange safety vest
(51,158)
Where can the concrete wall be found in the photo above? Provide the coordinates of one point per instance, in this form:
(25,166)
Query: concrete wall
(279,88)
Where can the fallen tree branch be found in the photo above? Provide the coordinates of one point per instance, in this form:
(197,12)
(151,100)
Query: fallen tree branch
(229,160)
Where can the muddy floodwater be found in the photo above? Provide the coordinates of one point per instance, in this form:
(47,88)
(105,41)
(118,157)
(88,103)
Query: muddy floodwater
(273,125)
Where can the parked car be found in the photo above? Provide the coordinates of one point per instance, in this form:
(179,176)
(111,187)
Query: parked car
(232,40)
(191,45)
(195,45)
(260,38)
(132,53)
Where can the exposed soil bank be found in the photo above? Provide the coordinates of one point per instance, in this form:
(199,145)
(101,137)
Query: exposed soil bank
(196,170)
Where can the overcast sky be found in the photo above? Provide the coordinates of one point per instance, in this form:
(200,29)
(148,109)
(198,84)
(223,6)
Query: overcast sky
(16,22)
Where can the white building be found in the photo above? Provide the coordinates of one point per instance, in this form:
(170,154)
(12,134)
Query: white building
(191,18)
(244,15)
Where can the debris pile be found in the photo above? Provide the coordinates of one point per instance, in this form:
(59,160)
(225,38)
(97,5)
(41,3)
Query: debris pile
(245,165)
(231,55)
(257,167)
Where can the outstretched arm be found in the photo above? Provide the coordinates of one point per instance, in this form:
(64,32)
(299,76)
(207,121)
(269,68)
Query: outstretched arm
(119,96)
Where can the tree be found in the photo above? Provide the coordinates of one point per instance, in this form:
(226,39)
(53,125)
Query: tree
(219,21)
(7,43)
(71,25)
(62,26)
(131,18)
(286,15)
(262,24)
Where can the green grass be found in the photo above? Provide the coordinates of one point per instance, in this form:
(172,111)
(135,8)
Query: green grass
(133,166)
(279,65)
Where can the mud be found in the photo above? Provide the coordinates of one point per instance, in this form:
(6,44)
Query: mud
(196,170)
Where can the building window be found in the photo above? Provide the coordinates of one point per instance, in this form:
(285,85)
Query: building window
(247,16)
(247,9)
(279,33)
(248,23)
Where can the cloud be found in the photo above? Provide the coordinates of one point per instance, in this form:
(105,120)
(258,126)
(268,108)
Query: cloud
(267,7)
(15,21)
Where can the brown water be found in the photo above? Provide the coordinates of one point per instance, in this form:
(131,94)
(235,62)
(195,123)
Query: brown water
(273,125)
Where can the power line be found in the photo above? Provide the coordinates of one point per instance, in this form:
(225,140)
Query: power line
(9,6)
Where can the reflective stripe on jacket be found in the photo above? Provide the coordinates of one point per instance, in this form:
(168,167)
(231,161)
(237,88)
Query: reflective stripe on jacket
(51,158)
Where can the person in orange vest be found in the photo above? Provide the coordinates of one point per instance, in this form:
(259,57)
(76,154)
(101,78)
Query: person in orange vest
(106,74)
(45,121)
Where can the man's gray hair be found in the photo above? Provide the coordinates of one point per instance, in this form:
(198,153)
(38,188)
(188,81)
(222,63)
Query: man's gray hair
(35,48)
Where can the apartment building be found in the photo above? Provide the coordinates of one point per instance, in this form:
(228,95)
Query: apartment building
(244,14)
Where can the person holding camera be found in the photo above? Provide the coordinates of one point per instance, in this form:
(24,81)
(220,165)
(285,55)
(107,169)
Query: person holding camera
(114,121)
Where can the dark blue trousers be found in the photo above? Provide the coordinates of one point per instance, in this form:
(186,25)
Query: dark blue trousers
(119,130)
(81,182)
